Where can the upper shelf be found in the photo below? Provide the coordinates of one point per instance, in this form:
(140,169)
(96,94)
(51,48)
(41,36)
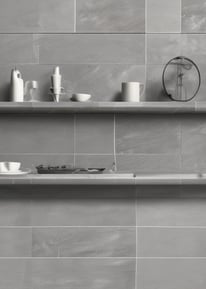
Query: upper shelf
(103,107)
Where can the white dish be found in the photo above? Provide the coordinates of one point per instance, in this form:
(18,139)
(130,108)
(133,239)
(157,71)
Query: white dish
(81,97)
(6,167)
(16,173)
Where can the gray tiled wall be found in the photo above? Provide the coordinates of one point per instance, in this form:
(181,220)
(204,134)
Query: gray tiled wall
(102,237)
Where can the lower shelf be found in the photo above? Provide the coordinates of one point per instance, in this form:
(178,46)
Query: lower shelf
(106,179)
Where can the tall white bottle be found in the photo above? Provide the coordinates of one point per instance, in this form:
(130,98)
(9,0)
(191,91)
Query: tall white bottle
(17,86)
(56,83)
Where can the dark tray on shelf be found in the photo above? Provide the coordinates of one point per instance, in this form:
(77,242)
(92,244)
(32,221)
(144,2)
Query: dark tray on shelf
(67,170)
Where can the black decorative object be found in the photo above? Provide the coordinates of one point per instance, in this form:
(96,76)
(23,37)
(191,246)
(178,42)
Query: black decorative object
(181,79)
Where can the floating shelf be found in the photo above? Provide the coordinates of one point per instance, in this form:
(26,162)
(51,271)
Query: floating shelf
(103,107)
(106,179)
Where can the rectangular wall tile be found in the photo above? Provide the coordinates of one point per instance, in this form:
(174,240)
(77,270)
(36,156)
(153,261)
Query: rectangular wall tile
(84,242)
(111,16)
(170,206)
(173,273)
(37,134)
(193,16)
(95,161)
(83,206)
(94,134)
(170,19)
(89,273)
(15,242)
(171,242)
(36,16)
(17,48)
(15,273)
(150,134)
(91,48)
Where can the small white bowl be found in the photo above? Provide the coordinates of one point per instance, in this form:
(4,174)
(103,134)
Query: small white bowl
(9,167)
(81,97)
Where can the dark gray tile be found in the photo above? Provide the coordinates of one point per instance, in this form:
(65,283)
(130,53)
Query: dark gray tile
(110,16)
(170,19)
(36,16)
(173,273)
(149,163)
(15,242)
(91,48)
(37,134)
(15,273)
(94,134)
(150,134)
(171,242)
(17,48)
(83,206)
(162,47)
(15,206)
(84,242)
(193,16)
(170,206)
(89,273)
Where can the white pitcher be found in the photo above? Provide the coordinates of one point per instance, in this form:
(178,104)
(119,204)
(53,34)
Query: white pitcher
(132,91)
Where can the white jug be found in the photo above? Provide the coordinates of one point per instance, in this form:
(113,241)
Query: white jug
(17,86)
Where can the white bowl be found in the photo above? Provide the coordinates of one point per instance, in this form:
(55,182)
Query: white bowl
(81,97)
(9,167)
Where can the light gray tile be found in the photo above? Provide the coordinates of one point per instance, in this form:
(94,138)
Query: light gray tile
(36,16)
(150,134)
(149,163)
(162,47)
(193,16)
(81,273)
(110,16)
(164,16)
(95,134)
(15,273)
(170,206)
(83,206)
(15,242)
(84,242)
(95,161)
(15,206)
(37,134)
(171,242)
(17,48)
(91,48)
(173,273)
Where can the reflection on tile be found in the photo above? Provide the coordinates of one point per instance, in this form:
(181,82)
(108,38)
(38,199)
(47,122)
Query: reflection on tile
(162,47)
(168,206)
(37,134)
(150,134)
(15,206)
(15,242)
(83,206)
(95,139)
(36,16)
(17,48)
(193,16)
(110,16)
(15,273)
(91,48)
(171,242)
(84,242)
(90,273)
(149,163)
(170,20)
(173,273)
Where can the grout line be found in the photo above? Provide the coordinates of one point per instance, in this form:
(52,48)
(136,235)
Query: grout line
(174,227)
(45,227)
(171,258)
(75,16)
(114,141)
(74,155)
(136,267)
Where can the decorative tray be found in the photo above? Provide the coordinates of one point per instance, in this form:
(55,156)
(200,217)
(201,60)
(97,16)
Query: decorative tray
(67,170)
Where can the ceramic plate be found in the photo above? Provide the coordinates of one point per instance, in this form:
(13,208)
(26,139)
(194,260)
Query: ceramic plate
(17,173)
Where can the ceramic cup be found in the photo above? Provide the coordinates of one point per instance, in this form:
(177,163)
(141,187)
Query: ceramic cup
(81,97)
(132,91)
(6,167)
